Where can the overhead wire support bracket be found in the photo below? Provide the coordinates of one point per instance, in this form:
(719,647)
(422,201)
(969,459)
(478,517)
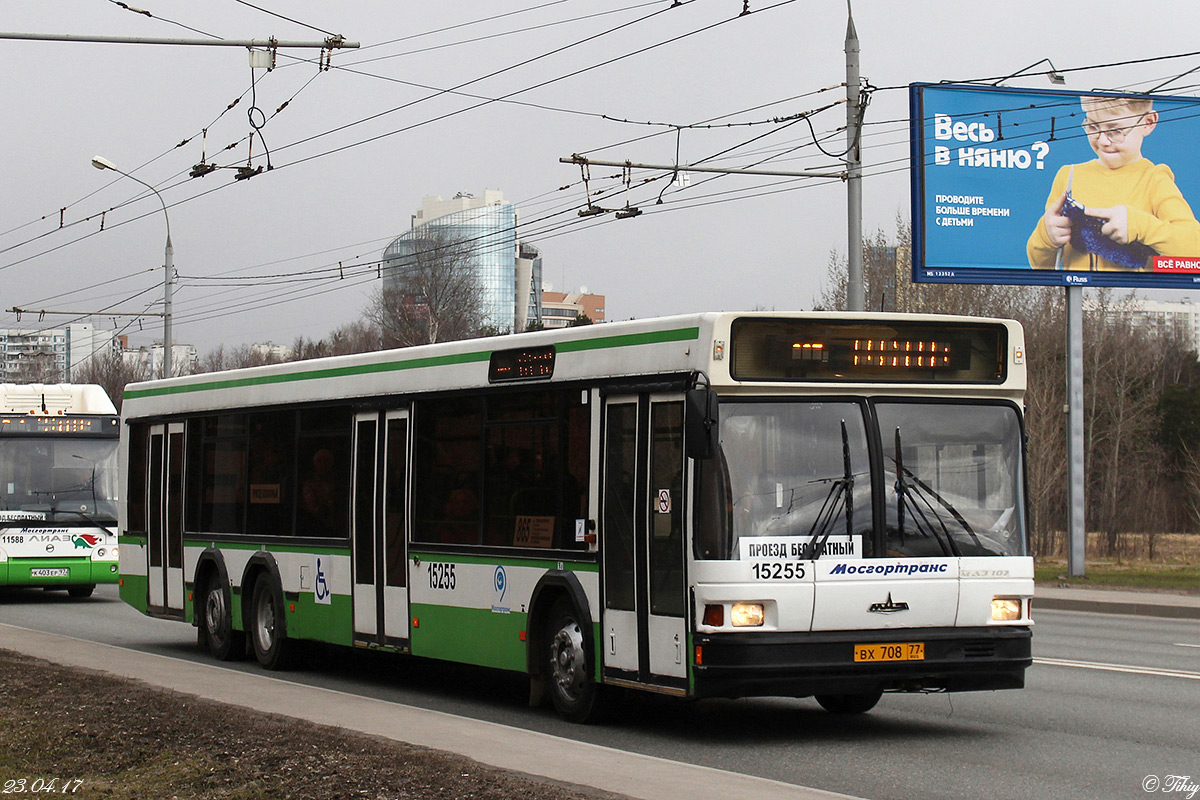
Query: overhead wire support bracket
(42,312)
(262,44)
(581,160)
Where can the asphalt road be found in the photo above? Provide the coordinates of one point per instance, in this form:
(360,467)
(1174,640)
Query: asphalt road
(1111,700)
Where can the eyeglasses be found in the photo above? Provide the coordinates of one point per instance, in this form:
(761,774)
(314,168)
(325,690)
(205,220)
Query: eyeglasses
(1115,135)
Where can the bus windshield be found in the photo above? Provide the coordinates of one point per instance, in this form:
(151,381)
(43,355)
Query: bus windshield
(57,479)
(952,477)
(794,479)
(787,474)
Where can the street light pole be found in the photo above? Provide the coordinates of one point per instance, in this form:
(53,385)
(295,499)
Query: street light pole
(99,162)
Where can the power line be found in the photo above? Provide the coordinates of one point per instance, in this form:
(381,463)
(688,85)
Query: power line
(289,19)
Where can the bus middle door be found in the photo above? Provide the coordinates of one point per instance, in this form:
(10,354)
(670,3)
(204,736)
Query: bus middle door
(644,624)
(379,529)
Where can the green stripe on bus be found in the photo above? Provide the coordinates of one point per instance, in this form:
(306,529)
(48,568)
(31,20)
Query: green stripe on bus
(135,591)
(628,340)
(317,374)
(578,345)
(469,635)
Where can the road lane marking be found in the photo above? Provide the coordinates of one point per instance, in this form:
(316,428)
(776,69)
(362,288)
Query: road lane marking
(1185,644)
(1162,673)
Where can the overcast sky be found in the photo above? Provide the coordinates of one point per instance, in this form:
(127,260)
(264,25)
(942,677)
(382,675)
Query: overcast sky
(359,145)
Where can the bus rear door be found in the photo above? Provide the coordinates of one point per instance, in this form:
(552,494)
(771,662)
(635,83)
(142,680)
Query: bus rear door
(380,526)
(165,519)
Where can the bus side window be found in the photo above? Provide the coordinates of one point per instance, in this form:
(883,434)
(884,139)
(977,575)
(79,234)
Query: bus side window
(138,444)
(272,455)
(448,439)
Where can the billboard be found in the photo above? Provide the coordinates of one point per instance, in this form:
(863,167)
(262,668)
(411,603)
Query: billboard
(1013,186)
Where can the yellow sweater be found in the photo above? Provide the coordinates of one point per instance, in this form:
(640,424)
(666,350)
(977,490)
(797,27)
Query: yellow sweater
(1159,217)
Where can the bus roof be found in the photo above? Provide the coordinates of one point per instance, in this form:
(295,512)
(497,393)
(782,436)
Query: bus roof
(634,349)
(40,399)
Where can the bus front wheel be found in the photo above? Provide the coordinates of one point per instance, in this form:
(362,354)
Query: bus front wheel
(216,622)
(572,683)
(268,629)
(849,703)
(81,591)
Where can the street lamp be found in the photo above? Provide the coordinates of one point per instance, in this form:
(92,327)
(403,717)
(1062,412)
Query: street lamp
(100,162)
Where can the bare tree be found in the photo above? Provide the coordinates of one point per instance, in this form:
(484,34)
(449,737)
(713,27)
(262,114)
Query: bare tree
(433,294)
(360,336)
(113,372)
(36,366)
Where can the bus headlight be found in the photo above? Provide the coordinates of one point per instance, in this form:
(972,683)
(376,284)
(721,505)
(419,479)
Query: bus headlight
(1006,609)
(746,615)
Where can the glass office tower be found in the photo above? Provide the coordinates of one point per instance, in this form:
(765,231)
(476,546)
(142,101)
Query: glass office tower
(488,226)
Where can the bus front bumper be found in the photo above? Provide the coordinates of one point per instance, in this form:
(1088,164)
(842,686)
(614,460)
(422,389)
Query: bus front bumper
(823,662)
(61,572)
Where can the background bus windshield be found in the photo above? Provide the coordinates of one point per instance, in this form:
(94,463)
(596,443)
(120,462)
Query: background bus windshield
(58,479)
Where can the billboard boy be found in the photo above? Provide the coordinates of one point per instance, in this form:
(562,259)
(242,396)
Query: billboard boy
(1119,210)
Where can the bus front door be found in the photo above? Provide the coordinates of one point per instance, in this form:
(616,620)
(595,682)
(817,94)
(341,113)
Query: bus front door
(380,526)
(165,520)
(644,623)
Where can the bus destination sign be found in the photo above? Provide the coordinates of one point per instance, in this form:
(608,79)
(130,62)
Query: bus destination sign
(59,425)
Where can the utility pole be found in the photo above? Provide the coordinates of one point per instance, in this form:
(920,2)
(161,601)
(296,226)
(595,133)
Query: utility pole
(854,279)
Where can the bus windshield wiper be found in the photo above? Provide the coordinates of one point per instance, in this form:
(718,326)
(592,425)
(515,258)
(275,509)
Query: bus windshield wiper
(87,517)
(910,489)
(840,498)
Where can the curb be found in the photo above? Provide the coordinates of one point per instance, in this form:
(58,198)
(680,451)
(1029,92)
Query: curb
(1138,607)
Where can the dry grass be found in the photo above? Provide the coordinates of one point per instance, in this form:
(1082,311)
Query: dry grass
(96,737)
(1149,562)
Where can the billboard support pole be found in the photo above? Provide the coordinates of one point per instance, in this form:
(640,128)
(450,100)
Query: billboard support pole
(1076,527)
(854,277)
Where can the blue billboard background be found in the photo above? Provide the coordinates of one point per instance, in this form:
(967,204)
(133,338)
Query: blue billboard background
(983,159)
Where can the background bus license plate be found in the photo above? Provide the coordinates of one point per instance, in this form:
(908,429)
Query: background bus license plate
(900,651)
(60,572)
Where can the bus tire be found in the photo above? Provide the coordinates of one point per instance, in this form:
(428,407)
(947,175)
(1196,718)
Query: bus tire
(268,628)
(216,621)
(81,591)
(849,703)
(571,679)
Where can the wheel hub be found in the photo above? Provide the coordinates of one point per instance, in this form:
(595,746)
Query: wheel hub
(568,661)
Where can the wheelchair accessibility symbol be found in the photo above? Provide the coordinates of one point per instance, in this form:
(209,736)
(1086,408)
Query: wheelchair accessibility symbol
(321,591)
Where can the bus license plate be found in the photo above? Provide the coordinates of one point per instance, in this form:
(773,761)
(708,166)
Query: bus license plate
(900,651)
(58,572)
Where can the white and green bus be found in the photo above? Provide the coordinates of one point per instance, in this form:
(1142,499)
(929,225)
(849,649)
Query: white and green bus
(723,504)
(58,487)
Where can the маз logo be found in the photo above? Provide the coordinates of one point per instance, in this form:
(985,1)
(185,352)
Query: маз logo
(887,608)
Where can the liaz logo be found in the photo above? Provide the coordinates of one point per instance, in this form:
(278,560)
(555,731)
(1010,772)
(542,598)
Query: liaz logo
(85,540)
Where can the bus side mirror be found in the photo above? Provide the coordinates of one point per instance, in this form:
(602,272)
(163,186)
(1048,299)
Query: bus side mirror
(700,422)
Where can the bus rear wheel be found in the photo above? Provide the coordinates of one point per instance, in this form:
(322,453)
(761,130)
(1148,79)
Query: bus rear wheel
(216,622)
(268,628)
(849,703)
(81,591)
(572,683)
